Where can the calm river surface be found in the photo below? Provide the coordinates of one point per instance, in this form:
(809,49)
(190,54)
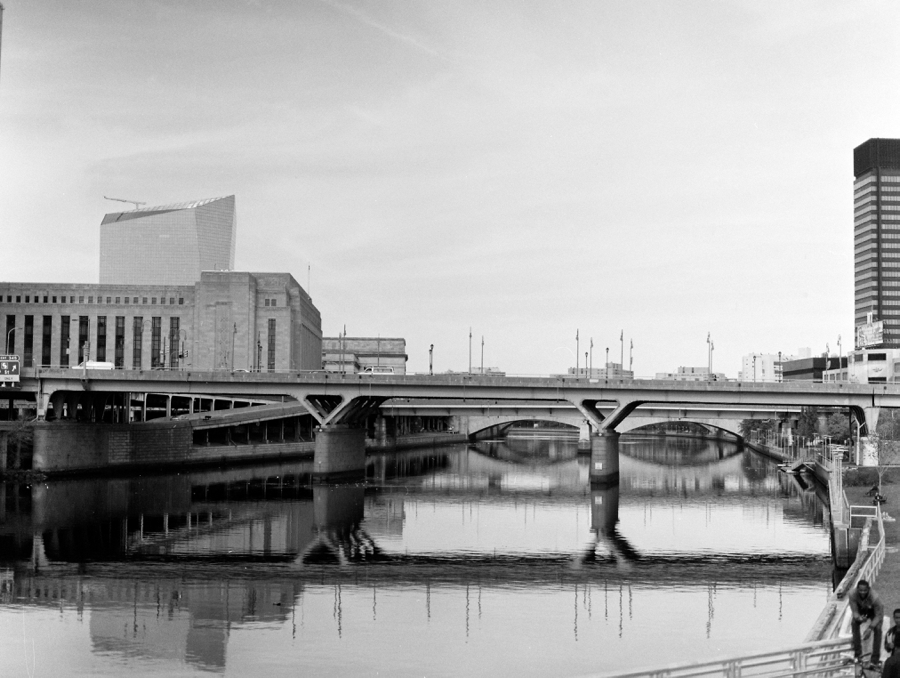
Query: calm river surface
(496,559)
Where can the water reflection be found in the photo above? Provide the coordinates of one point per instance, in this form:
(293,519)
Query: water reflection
(506,540)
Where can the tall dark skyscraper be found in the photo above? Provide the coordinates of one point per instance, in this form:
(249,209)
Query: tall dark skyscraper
(876,232)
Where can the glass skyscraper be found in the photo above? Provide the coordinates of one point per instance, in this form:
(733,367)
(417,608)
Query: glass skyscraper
(167,245)
(876,230)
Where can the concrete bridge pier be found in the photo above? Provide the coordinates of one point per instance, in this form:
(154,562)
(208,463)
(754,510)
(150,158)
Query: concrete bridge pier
(604,458)
(604,509)
(340,453)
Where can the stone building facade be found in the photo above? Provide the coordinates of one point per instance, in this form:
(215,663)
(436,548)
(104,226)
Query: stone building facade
(228,320)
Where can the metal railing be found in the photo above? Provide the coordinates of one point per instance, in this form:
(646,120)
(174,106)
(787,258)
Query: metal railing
(823,657)
(824,652)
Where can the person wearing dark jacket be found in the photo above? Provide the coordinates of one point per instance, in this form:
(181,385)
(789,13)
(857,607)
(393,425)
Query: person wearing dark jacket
(866,606)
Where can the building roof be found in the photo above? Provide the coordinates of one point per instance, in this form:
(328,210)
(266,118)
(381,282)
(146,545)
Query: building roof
(142,212)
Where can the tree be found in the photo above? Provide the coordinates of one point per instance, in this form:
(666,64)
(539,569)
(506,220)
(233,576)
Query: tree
(761,425)
(808,425)
(887,454)
(838,427)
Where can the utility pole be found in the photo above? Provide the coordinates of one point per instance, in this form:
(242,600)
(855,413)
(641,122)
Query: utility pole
(470,349)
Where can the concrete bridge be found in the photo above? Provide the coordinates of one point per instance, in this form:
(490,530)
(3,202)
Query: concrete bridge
(339,402)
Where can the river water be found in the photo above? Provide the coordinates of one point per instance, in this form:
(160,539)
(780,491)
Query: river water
(495,559)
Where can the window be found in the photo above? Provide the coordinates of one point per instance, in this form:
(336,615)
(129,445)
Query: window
(120,342)
(145,300)
(91,300)
(101,339)
(80,300)
(267,302)
(84,347)
(180,301)
(18,299)
(270,358)
(137,342)
(156,360)
(108,298)
(27,299)
(46,341)
(162,300)
(54,300)
(273,302)
(126,300)
(10,345)
(171,300)
(152,302)
(45,298)
(117,300)
(64,338)
(174,353)
(28,353)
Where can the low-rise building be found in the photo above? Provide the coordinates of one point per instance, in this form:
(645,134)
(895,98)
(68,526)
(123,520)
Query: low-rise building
(360,354)
(691,374)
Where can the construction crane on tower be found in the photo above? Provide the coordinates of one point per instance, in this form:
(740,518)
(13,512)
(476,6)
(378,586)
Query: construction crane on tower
(136,204)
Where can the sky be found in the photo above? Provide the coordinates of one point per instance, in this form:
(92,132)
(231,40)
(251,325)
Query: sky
(660,171)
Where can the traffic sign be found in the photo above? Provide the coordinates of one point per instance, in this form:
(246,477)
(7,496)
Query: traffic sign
(9,368)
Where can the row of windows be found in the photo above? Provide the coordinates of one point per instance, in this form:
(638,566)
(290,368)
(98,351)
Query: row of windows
(871,196)
(52,299)
(885,207)
(271,302)
(160,354)
(872,219)
(869,191)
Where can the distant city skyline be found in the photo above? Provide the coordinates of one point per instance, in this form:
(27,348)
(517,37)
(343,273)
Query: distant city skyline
(664,170)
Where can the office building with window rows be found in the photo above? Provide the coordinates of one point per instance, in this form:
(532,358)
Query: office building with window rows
(227,320)
(876,231)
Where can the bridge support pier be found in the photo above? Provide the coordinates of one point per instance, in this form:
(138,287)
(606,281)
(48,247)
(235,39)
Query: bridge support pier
(604,509)
(604,458)
(340,453)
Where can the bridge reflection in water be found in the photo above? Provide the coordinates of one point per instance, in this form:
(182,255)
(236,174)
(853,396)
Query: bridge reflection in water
(460,550)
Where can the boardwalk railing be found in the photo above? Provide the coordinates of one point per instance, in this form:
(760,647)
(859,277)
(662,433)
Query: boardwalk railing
(823,657)
(824,653)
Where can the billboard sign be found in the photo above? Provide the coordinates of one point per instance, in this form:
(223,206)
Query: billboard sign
(870,334)
(9,368)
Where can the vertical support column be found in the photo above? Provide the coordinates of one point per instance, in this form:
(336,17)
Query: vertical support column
(604,509)
(340,453)
(4,442)
(604,458)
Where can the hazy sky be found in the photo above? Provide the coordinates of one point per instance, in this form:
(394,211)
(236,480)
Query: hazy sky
(527,169)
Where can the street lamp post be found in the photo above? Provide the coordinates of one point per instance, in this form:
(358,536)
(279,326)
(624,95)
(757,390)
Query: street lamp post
(470,349)
(482,355)
(586,363)
(576,352)
(754,368)
(430,359)
(7,338)
(591,367)
(606,366)
(840,358)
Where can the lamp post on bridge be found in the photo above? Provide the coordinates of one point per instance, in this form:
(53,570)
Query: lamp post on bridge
(576,352)
(586,362)
(591,367)
(482,355)
(430,361)
(470,349)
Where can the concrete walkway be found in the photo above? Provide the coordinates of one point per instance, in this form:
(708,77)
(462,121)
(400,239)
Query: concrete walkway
(887,585)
